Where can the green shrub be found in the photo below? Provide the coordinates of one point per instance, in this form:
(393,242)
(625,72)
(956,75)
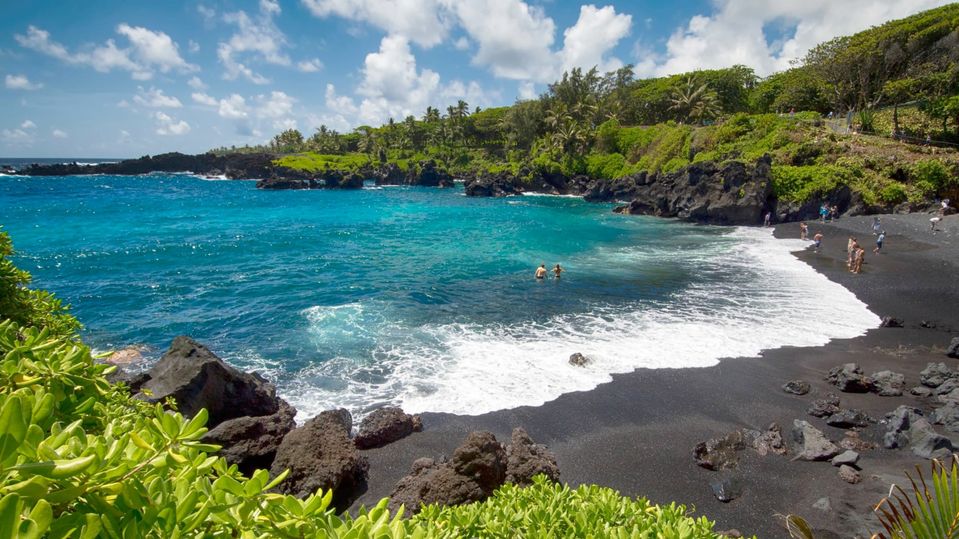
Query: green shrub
(893,193)
(29,307)
(800,184)
(547,509)
(930,176)
(607,165)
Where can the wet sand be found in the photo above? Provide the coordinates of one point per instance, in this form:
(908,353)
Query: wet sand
(636,433)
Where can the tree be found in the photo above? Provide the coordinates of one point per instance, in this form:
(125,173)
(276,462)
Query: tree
(695,101)
(288,141)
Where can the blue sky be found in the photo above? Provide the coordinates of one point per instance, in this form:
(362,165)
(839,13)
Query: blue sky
(123,79)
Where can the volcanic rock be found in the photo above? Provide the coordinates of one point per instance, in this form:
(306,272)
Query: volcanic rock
(579,360)
(384,425)
(320,455)
(251,442)
(824,407)
(953,349)
(196,378)
(849,378)
(727,489)
(796,387)
(719,453)
(848,457)
(845,419)
(477,468)
(849,474)
(813,444)
(888,383)
(525,459)
(891,322)
(935,374)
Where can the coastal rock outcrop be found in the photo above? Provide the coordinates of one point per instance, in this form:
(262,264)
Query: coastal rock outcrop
(320,454)
(251,442)
(723,453)
(477,468)
(233,166)
(385,425)
(428,174)
(812,443)
(326,179)
(730,194)
(500,184)
(196,378)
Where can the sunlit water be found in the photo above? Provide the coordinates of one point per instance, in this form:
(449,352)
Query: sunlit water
(420,297)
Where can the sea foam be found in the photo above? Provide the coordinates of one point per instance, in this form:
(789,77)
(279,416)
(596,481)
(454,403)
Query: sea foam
(473,369)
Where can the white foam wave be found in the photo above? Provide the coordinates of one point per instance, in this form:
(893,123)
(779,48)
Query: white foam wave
(473,369)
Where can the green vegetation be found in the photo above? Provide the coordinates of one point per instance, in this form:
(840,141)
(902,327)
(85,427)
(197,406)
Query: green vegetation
(81,458)
(901,78)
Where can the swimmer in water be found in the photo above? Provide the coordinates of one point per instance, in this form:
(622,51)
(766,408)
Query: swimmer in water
(541,271)
(557,270)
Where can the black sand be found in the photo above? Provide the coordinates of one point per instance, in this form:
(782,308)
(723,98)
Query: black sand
(636,433)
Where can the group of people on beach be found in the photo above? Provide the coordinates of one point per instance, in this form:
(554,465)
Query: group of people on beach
(855,255)
(542,272)
(828,213)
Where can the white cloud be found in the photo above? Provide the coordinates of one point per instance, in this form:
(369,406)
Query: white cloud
(207,13)
(204,99)
(28,124)
(233,107)
(514,39)
(197,83)
(596,32)
(21,82)
(155,49)
(734,34)
(392,86)
(193,46)
(155,99)
(16,137)
(167,125)
(278,107)
(148,52)
(310,66)
(527,90)
(59,133)
(421,21)
(461,44)
(258,39)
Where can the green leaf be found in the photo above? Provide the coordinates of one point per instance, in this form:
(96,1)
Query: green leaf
(9,515)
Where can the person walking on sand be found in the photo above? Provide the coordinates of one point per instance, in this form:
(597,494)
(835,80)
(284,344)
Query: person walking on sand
(823,212)
(879,240)
(933,222)
(875,225)
(850,251)
(557,270)
(817,239)
(803,231)
(768,218)
(541,271)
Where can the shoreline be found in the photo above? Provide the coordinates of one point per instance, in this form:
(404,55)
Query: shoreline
(636,433)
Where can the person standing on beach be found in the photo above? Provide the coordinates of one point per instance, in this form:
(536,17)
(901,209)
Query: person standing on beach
(875,225)
(860,256)
(850,251)
(557,270)
(803,231)
(541,271)
(768,218)
(823,212)
(818,240)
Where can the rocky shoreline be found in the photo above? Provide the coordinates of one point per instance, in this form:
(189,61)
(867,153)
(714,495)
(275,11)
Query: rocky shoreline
(731,193)
(255,429)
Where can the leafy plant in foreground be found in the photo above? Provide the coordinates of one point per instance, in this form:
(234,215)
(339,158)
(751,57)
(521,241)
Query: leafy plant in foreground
(923,512)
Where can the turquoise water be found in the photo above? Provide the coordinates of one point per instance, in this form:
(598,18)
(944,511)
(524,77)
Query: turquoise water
(415,296)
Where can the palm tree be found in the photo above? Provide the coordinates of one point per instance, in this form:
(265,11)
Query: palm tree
(367,143)
(695,101)
(432,115)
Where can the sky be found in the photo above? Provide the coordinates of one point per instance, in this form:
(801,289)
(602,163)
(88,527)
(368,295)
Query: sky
(124,79)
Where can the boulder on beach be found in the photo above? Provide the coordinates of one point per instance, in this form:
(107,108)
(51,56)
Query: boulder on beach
(383,426)
(196,378)
(825,406)
(320,454)
(888,383)
(477,468)
(811,443)
(526,459)
(891,322)
(936,374)
(908,428)
(847,458)
(947,416)
(796,387)
(727,489)
(953,349)
(849,378)
(849,474)
(845,419)
(251,442)
(126,356)
(719,453)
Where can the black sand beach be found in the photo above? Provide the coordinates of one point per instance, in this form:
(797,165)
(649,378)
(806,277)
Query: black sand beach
(636,434)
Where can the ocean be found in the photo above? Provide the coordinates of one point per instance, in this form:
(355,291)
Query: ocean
(417,297)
